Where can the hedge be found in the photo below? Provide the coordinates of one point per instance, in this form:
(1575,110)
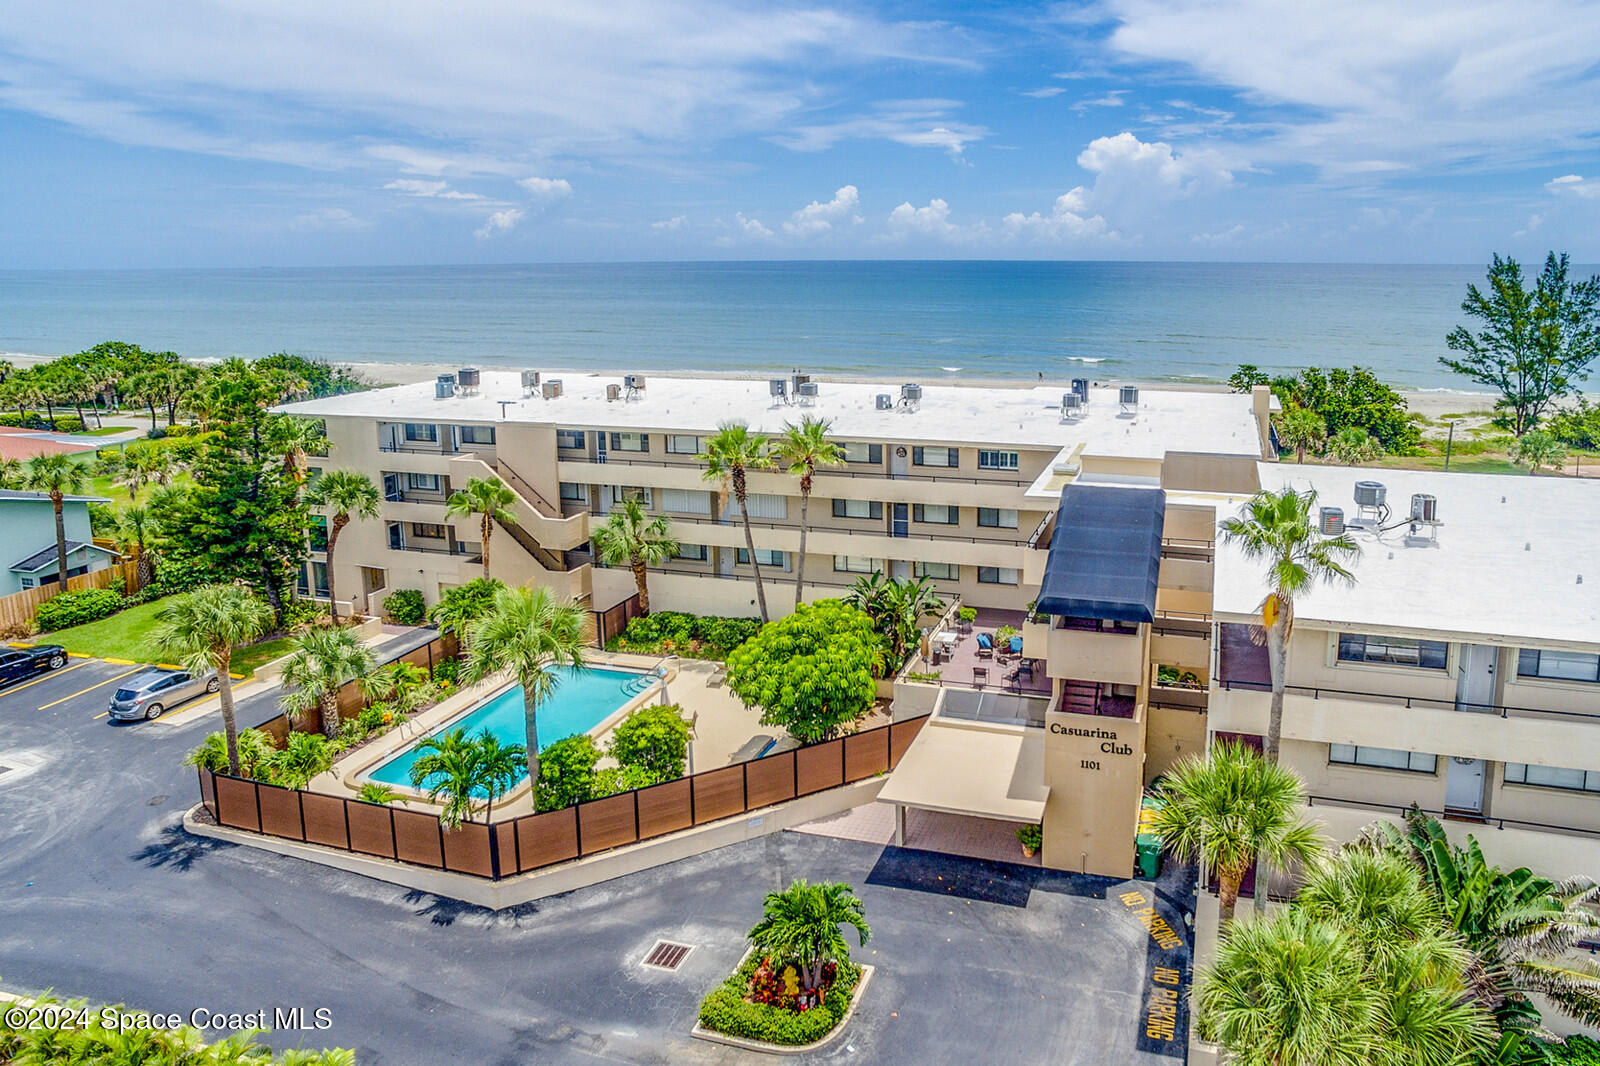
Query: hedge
(694,636)
(727,1011)
(76,608)
(405,606)
(63,423)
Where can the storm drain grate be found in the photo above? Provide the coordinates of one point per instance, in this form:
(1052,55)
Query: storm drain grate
(667,955)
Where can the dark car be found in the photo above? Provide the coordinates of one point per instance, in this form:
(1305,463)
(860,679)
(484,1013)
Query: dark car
(19,663)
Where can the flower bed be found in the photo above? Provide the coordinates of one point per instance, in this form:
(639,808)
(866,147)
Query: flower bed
(753,1005)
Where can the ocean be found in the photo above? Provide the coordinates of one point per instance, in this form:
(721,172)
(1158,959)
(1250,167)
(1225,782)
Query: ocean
(1189,322)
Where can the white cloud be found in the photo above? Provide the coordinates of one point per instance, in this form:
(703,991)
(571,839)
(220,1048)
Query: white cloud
(931,221)
(1067,221)
(329,218)
(751,227)
(1047,93)
(1114,98)
(817,218)
(914,123)
(1220,237)
(1574,185)
(1533,223)
(547,188)
(499,222)
(668,225)
(430,189)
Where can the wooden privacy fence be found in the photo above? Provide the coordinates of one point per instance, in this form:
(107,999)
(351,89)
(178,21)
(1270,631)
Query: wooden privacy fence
(534,841)
(18,608)
(351,700)
(613,620)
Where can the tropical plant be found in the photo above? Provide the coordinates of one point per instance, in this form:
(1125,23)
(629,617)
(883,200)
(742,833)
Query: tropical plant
(458,608)
(253,749)
(1303,431)
(320,662)
(801,925)
(1352,397)
(631,536)
(1353,446)
(137,528)
(406,607)
(811,672)
(1276,528)
(377,792)
(447,767)
(1539,448)
(653,739)
(59,476)
(490,500)
(801,449)
(528,633)
(897,607)
(345,495)
(567,772)
(11,475)
(1229,809)
(729,457)
(401,685)
(304,756)
(201,629)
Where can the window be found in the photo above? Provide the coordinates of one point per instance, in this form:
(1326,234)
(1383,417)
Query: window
(762,505)
(615,494)
(27,583)
(683,444)
(990,460)
(858,452)
(763,556)
(936,514)
(997,517)
(319,573)
(997,575)
(423,482)
(694,552)
(938,571)
(1392,651)
(1552,777)
(575,490)
(630,442)
(1383,758)
(422,431)
(854,564)
(686,501)
(1558,665)
(569,438)
(431,530)
(935,457)
(477,434)
(857,509)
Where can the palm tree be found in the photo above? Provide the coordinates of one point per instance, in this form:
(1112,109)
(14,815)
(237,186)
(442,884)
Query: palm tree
(447,766)
(145,463)
(802,449)
(906,604)
(729,457)
(801,925)
(499,767)
(377,792)
(633,537)
(527,632)
(490,500)
(137,527)
(1227,810)
(1538,448)
(298,440)
(347,494)
(1302,430)
(60,476)
(201,631)
(1353,446)
(10,473)
(321,662)
(1276,527)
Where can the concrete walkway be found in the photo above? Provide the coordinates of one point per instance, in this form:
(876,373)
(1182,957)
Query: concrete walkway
(949,834)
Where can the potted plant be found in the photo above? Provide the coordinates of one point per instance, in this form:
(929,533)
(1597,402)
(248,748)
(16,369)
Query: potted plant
(1031,837)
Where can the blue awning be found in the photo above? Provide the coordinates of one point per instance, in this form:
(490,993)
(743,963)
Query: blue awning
(1105,557)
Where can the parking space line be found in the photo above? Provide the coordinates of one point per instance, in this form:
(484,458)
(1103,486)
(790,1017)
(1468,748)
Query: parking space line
(47,677)
(91,688)
(119,662)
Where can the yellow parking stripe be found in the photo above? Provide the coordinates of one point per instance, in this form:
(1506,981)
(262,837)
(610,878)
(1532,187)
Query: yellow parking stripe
(99,716)
(91,688)
(119,662)
(48,676)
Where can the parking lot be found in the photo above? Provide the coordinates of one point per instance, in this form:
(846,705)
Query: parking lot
(106,897)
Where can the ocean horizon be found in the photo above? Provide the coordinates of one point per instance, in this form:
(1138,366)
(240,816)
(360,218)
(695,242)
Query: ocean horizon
(1001,320)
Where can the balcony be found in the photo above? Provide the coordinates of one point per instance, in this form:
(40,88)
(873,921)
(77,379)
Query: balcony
(1088,650)
(1181,640)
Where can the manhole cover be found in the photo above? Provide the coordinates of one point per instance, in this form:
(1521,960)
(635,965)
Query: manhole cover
(667,956)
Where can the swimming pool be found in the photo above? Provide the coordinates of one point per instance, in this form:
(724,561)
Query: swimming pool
(582,699)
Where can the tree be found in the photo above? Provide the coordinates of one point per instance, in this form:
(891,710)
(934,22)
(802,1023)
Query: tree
(1533,347)
(463,605)
(801,449)
(1353,446)
(631,536)
(11,473)
(301,439)
(1276,528)
(346,494)
(1247,377)
(801,925)
(1352,397)
(490,500)
(729,457)
(1540,447)
(1302,431)
(811,672)
(896,606)
(654,739)
(567,773)
(1577,425)
(1229,809)
(60,476)
(137,527)
(322,661)
(528,633)
(201,629)
(460,769)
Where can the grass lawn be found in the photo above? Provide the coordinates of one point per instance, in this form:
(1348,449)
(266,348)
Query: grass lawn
(104,431)
(123,636)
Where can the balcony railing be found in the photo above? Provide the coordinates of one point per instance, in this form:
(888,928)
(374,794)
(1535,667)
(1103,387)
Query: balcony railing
(1425,702)
(611,459)
(454,549)
(1476,819)
(415,449)
(1201,551)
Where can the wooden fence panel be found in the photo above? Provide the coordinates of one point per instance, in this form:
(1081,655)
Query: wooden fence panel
(417,838)
(665,808)
(820,766)
(770,780)
(208,791)
(901,734)
(866,754)
(607,823)
(466,849)
(236,804)
(371,827)
(718,793)
(546,838)
(280,811)
(326,823)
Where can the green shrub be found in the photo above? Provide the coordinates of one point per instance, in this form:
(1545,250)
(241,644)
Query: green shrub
(405,607)
(810,672)
(654,741)
(34,420)
(727,1011)
(76,608)
(446,671)
(298,612)
(567,772)
(704,637)
(174,576)
(1031,836)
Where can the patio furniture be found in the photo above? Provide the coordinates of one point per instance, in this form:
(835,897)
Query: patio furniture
(980,676)
(1025,670)
(985,646)
(1016,645)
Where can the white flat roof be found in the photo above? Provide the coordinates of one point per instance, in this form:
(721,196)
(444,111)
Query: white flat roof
(971,768)
(1507,561)
(1166,420)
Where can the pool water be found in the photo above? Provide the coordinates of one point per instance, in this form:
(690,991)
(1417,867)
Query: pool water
(581,700)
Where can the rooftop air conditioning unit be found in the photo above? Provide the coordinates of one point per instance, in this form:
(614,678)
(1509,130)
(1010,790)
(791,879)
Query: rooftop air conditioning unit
(1071,403)
(1128,396)
(1331,521)
(911,392)
(795,381)
(1424,508)
(1081,387)
(633,381)
(885,402)
(778,387)
(1370,493)
(530,380)
(613,392)
(469,379)
(551,389)
(806,392)
(445,387)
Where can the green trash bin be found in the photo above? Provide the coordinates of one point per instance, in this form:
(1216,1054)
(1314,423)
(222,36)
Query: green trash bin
(1147,846)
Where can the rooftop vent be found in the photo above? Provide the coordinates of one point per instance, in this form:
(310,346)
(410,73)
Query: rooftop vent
(530,381)
(1370,493)
(806,393)
(1071,406)
(1331,521)
(1081,387)
(551,389)
(469,379)
(885,402)
(613,392)
(795,381)
(1128,397)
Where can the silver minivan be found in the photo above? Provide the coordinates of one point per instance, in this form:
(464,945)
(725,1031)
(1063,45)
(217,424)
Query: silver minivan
(152,693)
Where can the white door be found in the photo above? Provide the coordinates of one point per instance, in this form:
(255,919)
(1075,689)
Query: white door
(900,461)
(1463,785)
(1475,677)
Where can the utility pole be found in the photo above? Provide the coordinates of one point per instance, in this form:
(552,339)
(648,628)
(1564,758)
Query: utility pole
(1448,445)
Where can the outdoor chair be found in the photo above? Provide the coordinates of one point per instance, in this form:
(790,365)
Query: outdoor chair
(985,646)
(1016,645)
(980,676)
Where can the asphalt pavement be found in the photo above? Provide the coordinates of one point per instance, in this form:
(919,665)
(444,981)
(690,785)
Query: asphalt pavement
(104,896)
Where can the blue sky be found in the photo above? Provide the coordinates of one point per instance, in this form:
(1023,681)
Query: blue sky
(288,132)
